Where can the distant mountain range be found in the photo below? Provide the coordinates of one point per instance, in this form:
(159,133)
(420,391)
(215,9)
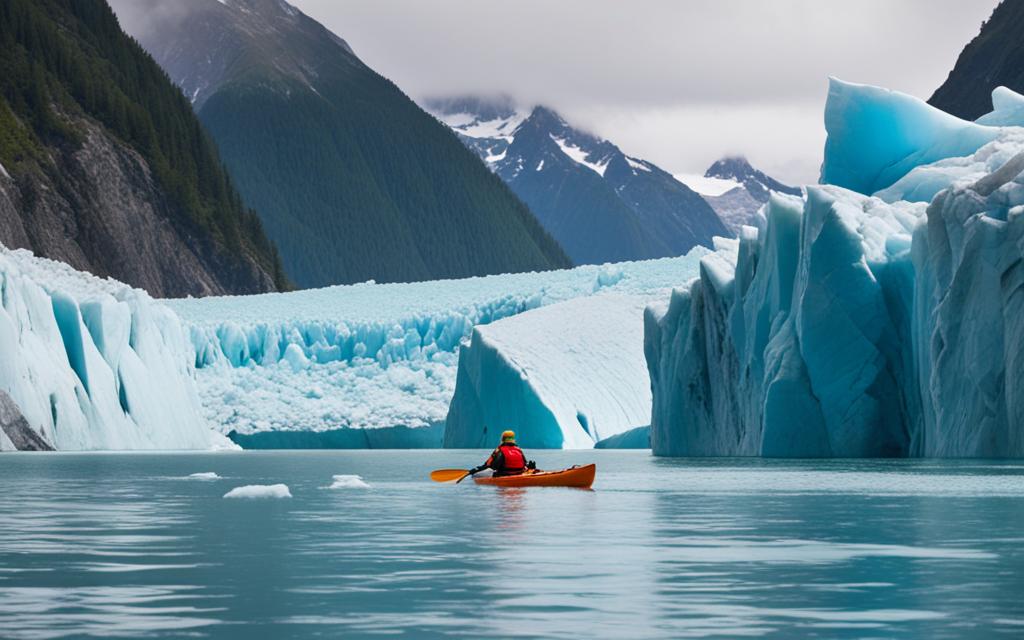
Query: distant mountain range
(353,180)
(735,190)
(599,203)
(104,166)
(994,58)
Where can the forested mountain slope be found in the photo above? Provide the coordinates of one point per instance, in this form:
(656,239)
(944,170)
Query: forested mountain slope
(104,166)
(353,180)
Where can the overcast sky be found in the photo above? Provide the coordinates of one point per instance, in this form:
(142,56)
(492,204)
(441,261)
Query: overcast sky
(677,82)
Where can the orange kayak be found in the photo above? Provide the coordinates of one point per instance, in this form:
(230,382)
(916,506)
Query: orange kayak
(580,477)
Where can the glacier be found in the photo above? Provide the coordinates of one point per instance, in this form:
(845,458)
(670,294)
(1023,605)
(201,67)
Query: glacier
(91,364)
(94,364)
(376,365)
(878,315)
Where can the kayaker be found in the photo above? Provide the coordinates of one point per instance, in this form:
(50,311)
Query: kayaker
(508,459)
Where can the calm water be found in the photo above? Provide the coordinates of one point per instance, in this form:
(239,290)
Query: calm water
(123,546)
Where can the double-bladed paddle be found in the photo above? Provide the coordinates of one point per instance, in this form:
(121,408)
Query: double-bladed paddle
(447,475)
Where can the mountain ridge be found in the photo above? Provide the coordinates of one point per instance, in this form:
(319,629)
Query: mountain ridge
(352,179)
(599,203)
(993,58)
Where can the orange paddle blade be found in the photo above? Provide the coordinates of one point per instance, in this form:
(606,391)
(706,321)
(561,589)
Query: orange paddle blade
(447,475)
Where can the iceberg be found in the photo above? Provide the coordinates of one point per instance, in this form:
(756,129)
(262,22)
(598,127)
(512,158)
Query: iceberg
(563,376)
(876,136)
(91,364)
(880,315)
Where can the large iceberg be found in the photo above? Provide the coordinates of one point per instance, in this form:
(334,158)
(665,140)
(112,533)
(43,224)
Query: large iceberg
(880,319)
(91,364)
(564,376)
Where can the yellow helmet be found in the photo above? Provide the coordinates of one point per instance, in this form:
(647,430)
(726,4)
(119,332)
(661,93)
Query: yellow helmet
(508,436)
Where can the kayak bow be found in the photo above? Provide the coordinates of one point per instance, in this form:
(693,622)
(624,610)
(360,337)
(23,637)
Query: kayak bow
(579,477)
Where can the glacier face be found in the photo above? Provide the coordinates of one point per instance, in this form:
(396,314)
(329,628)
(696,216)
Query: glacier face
(308,368)
(92,364)
(854,324)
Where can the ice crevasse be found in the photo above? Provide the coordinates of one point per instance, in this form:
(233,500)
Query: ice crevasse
(91,364)
(882,314)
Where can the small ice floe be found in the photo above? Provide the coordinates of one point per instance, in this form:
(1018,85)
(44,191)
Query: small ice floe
(205,475)
(260,491)
(348,482)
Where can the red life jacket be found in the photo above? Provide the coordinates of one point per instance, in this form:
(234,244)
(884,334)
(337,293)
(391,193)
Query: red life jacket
(515,459)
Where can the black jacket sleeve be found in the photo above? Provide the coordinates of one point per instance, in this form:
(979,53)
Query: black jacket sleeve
(497,460)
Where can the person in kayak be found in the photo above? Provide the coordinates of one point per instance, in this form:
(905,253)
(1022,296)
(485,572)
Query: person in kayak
(508,459)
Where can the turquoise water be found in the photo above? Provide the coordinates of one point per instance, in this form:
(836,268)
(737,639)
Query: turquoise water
(122,545)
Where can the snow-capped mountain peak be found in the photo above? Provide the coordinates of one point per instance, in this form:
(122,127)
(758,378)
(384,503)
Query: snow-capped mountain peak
(736,190)
(738,169)
(599,203)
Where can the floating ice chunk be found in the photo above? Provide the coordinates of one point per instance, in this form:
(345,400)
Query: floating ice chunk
(204,475)
(260,491)
(344,481)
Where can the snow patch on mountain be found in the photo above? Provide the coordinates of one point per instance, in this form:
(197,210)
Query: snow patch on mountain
(579,156)
(706,186)
(638,164)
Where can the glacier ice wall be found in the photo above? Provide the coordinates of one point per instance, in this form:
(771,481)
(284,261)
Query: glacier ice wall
(857,325)
(564,376)
(369,356)
(94,364)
